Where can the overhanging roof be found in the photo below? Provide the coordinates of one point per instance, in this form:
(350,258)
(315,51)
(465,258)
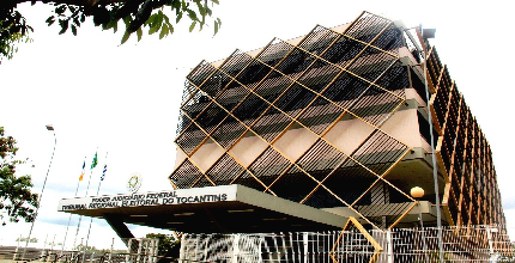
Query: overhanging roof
(216,209)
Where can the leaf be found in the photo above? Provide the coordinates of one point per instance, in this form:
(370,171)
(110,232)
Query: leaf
(127,20)
(64,26)
(192,15)
(149,20)
(179,16)
(215,1)
(192,26)
(50,20)
(176,4)
(164,31)
(201,8)
(166,19)
(74,30)
(159,18)
(60,9)
(153,29)
(125,37)
(139,33)
(216,27)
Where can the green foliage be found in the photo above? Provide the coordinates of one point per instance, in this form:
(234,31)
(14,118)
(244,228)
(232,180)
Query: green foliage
(24,239)
(82,247)
(16,200)
(13,30)
(152,16)
(138,16)
(166,242)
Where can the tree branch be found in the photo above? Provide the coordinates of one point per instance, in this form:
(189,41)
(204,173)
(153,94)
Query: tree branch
(8,4)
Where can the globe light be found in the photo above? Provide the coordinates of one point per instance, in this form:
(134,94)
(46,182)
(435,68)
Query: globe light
(417,192)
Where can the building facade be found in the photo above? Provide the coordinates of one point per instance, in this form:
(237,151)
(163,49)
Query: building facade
(338,120)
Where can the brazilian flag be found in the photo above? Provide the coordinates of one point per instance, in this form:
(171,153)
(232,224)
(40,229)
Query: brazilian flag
(94,162)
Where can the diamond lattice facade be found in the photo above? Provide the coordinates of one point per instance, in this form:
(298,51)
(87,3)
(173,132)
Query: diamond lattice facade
(337,119)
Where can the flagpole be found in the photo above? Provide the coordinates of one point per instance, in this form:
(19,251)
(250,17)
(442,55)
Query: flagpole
(98,191)
(70,217)
(93,165)
(80,219)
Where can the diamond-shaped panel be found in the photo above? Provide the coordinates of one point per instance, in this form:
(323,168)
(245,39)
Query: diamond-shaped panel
(345,90)
(379,152)
(319,75)
(271,124)
(318,40)
(228,132)
(190,138)
(395,78)
(294,142)
(274,52)
(269,165)
(367,27)
(225,170)
(319,115)
(371,64)
(343,51)
(348,181)
(294,100)
(235,63)
(198,75)
(233,96)
(248,149)
(376,105)
(250,109)
(253,73)
(302,183)
(211,117)
(206,155)
(321,159)
(185,175)
(273,86)
(295,63)
(391,39)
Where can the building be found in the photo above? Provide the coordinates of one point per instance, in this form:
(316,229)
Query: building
(303,134)
(337,119)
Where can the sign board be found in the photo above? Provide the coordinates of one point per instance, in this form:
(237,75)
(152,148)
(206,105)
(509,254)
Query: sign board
(174,197)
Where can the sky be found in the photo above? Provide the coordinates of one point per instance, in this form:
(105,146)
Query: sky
(123,101)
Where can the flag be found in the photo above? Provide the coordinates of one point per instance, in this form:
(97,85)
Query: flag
(94,162)
(103,173)
(81,177)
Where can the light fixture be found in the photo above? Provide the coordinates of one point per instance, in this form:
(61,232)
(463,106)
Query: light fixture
(250,210)
(184,214)
(49,127)
(135,216)
(417,192)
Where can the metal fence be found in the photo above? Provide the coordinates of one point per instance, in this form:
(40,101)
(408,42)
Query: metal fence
(461,244)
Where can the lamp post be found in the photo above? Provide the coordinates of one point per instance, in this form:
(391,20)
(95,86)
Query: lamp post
(51,129)
(426,34)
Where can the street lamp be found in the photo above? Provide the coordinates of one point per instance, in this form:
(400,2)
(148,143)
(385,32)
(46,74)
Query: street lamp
(50,128)
(428,33)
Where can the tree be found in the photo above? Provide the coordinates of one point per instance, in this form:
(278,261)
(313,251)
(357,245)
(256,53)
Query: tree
(16,199)
(24,239)
(166,242)
(152,16)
